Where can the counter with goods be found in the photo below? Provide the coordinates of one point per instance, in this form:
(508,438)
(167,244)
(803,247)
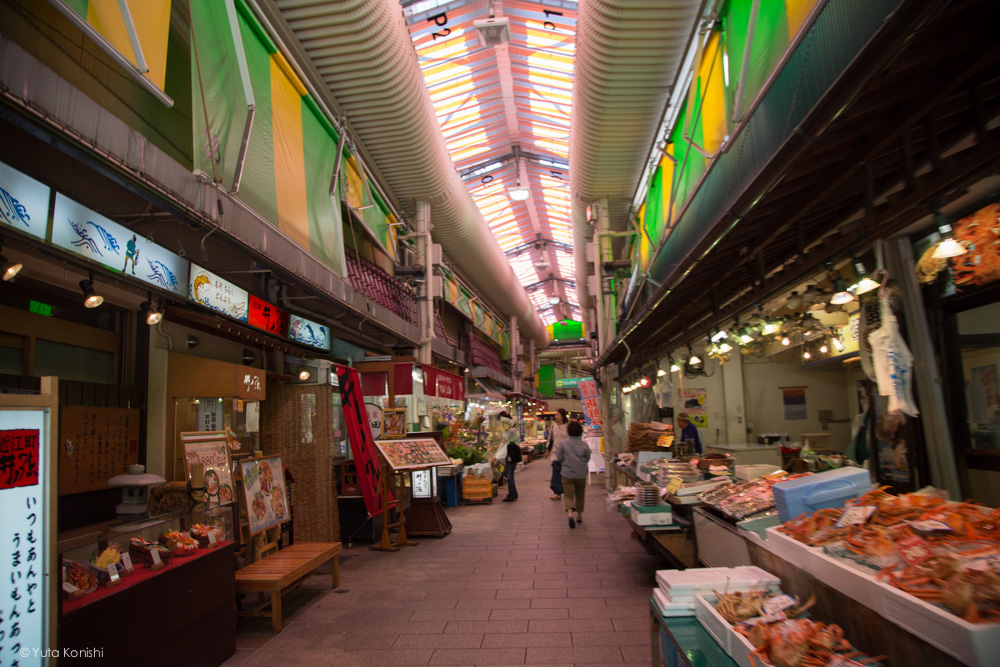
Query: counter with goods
(174,574)
(912,577)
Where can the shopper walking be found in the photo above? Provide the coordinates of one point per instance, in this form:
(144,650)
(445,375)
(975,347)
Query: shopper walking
(557,433)
(573,454)
(510,453)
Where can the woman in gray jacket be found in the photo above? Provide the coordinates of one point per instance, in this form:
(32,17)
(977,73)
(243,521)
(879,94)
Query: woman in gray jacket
(573,454)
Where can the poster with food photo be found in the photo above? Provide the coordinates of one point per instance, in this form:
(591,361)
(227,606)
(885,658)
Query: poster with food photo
(264,488)
(209,451)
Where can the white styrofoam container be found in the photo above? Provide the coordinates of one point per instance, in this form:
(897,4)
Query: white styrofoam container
(753,470)
(659,517)
(733,643)
(975,644)
(646,457)
(680,583)
(830,488)
(670,608)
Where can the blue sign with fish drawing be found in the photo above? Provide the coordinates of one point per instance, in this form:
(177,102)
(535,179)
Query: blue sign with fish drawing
(24,202)
(308,332)
(85,232)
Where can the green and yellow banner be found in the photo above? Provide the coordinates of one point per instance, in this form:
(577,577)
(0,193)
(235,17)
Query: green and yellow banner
(707,114)
(151,19)
(290,158)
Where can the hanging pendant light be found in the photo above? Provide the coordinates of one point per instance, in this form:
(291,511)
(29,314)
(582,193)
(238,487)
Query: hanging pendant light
(949,247)
(840,293)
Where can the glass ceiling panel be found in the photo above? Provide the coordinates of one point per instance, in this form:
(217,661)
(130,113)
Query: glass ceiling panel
(493,103)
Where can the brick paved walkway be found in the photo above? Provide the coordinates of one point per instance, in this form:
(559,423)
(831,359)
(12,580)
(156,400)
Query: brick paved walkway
(511,585)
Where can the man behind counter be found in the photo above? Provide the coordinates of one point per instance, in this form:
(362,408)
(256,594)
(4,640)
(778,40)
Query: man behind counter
(688,431)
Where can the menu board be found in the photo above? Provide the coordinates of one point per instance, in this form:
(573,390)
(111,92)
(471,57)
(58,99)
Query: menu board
(23,534)
(264,489)
(210,451)
(95,444)
(412,454)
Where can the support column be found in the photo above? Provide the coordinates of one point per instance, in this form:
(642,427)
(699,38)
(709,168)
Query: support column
(937,438)
(515,359)
(425,298)
(604,254)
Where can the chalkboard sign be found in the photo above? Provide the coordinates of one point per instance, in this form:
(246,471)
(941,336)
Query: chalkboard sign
(95,444)
(412,454)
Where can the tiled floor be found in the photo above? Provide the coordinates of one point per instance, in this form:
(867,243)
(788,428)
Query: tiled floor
(511,585)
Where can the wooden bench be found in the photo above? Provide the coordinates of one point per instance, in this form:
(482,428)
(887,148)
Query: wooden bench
(283,571)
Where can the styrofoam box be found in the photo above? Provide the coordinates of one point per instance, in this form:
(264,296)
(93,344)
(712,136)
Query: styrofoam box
(830,488)
(670,608)
(679,583)
(646,457)
(753,470)
(798,554)
(733,643)
(652,516)
(975,644)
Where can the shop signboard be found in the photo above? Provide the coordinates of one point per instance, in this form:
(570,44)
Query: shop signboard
(84,232)
(211,452)
(264,493)
(24,202)
(24,495)
(568,383)
(308,332)
(591,404)
(366,458)
(412,454)
(268,317)
(218,294)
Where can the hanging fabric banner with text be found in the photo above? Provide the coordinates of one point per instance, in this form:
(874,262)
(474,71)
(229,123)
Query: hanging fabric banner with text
(591,403)
(366,460)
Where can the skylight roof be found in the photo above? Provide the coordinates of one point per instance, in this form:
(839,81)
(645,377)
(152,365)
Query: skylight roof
(495,103)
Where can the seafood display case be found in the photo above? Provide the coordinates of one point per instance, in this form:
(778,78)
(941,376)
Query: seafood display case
(172,573)
(137,550)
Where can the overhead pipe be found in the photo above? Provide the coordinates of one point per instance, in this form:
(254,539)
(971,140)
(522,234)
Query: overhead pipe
(378,79)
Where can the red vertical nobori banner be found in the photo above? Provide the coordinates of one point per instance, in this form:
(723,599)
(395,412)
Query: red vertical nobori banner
(366,459)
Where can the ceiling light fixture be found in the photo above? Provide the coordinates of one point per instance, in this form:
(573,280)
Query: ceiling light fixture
(786,341)
(492,31)
(840,293)
(838,344)
(518,192)
(91,299)
(948,247)
(806,355)
(304,373)
(152,309)
(823,348)
(7,268)
(554,300)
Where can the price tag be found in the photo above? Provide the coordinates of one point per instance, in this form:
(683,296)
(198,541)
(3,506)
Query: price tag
(985,564)
(778,603)
(69,588)
(674,484)
(211,538)
(854,516)
(930,526)
(127,560)
(113,571)
(155,553)
(769,618)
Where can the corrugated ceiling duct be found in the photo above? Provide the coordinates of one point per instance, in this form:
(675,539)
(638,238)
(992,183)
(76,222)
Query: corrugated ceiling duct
(363,52)
(628,53)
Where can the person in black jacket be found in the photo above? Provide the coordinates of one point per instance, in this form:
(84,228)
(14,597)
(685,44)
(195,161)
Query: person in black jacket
(512,454)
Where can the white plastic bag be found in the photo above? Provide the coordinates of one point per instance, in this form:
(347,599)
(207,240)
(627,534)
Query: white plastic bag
(893,363)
